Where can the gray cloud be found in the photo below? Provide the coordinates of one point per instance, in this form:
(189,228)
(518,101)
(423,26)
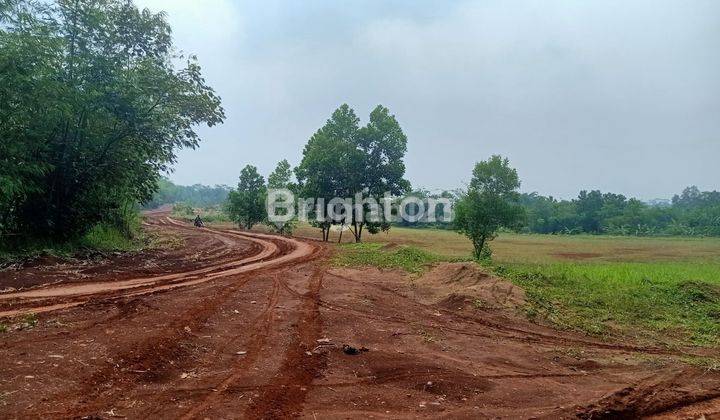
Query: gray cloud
(618,95)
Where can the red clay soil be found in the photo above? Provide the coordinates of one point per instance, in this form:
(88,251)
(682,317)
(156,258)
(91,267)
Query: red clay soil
(234,325)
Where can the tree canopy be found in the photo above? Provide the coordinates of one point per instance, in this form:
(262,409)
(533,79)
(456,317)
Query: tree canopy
(692,212)
(92,110)
(343,159)
(281,179)
(489,204)
(246,205)
(281,176)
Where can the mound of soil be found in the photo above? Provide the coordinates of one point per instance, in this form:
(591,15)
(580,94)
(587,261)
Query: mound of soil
(458,285)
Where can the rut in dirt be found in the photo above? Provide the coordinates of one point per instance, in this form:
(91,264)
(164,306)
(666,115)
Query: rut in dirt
(271,250)
(151,360)
(285,395)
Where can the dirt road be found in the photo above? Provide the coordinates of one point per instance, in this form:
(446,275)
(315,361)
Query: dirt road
(238,325)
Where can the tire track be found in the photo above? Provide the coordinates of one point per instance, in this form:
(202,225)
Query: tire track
(74,295)
(285,395)
(258,337)
(148,359)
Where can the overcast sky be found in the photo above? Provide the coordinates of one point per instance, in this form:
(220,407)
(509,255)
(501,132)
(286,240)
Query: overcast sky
(622,96)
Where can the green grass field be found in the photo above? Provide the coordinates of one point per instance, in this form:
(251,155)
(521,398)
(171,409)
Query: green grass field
(663,290)
(520,248)
(650,301)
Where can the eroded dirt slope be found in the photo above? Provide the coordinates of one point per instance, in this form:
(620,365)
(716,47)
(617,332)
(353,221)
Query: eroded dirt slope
(240,326)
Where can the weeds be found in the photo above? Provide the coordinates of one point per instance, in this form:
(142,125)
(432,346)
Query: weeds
(108,238)
(482,304)
(122,235)
(410,259)
(677,300)
(213,214)
(29,321)
(707,363)
(164,241)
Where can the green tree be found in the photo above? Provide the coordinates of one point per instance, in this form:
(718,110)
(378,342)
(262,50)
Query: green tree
(589,207)
(383,145)
(490,203)
(691,213)
(343,160)
(279,179)
(246,205)
(326,169)
(92,110)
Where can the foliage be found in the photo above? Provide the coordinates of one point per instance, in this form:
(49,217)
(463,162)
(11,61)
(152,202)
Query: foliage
(102,237)
(183,211)
(246,204)
(679,299)
(431,206)
(210,214)
(281,178)
(692,213)
(195,195)
(92,109)
(105,237)
(489,204)
(343,160)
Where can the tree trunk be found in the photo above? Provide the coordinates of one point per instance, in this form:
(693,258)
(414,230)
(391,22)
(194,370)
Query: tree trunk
(357,231)
(478,245)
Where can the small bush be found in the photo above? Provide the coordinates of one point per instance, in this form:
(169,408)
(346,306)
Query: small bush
(183,211)
(695,291)
(107,238)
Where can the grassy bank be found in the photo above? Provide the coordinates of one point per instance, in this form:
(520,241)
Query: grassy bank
(100,238)
(651,301)
(408,258)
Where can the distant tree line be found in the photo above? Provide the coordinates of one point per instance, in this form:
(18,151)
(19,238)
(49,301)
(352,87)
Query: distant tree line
(442,215)
(193,195)
(690,213)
